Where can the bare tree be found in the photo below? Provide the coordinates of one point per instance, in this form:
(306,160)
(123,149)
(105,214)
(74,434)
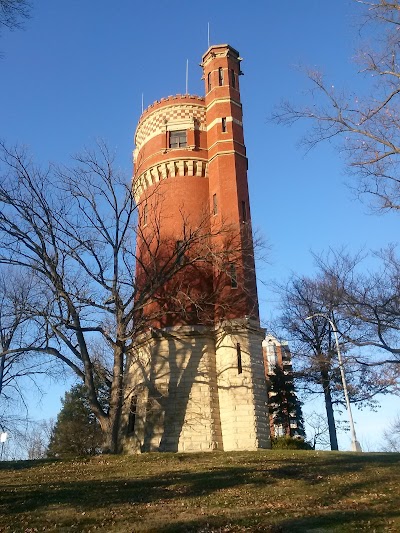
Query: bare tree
(365,126)
(35,439)
(318,431)
(19,371)
(370,300)
(312,344)
(13,12)
(11,319)
(391,436)
(73,231)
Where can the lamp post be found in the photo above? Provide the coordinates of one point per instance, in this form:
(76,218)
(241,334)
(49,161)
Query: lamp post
(355,445)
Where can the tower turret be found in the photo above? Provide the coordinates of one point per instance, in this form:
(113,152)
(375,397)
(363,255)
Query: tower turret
(227,169)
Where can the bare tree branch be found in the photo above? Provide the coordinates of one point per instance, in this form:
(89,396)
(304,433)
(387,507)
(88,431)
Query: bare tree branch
(365,128)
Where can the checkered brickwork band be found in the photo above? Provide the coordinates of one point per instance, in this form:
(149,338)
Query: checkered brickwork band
(155,123)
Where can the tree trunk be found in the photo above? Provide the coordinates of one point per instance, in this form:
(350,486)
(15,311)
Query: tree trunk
(111,436)
(2,363)
(286,417)
(329,410)
(112,432)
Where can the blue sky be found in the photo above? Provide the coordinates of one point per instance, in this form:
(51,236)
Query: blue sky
(79,69)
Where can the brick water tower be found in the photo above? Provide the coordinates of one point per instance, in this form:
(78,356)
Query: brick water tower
(196,378)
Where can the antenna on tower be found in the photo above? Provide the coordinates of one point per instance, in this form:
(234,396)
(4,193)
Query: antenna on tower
(187,76)
(142,104)
(208,34)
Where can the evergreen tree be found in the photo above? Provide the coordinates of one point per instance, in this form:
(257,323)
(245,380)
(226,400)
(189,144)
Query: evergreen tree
(284,405)
(76,431)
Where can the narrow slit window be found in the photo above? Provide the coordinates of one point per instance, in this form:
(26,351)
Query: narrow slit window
(144,215)
(233,275)
(215,204)
(239,358)
(244,211)
(177,139)
(209,82)
(233,78)
(132,415)
(223,124)
(220,76)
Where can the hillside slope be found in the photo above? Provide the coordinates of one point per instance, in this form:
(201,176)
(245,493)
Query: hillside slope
(276,491)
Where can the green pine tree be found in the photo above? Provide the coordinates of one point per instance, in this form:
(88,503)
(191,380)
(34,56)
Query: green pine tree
(76,431)
(284,405)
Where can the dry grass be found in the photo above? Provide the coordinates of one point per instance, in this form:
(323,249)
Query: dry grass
(275,491)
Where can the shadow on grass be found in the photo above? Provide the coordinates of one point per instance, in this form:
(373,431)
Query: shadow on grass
(262,472)
(359,520)
(96,493)
(327,521)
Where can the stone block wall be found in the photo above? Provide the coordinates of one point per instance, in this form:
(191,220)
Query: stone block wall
(188,395)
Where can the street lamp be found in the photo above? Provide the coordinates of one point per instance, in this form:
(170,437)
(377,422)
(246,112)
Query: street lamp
(355,445)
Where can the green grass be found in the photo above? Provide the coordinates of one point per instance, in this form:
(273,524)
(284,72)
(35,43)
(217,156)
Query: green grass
(271,491)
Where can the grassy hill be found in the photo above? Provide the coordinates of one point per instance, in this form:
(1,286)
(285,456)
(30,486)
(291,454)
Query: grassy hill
(272,491)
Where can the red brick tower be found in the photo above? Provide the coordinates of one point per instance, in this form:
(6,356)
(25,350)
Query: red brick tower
(197,376)
(171,188)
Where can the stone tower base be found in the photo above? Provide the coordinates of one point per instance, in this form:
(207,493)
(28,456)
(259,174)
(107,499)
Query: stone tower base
(194,389)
